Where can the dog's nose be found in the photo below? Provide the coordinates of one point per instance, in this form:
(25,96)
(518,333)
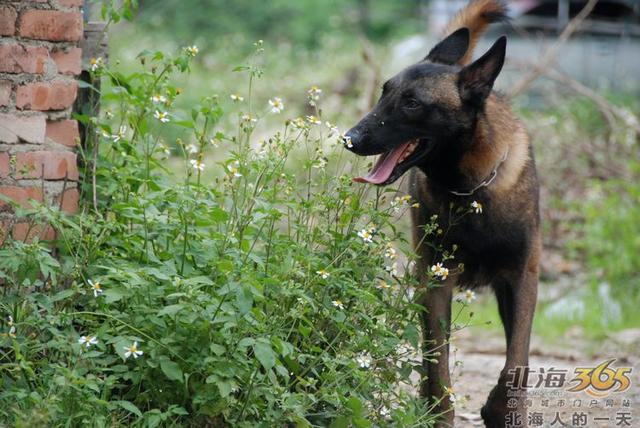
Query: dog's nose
(352,138)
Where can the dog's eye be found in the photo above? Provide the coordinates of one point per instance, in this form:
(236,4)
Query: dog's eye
(412,103)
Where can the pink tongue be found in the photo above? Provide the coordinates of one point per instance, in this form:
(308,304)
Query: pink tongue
(383,168)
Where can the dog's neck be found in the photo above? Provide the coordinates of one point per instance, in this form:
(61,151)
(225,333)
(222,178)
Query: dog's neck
(495,144)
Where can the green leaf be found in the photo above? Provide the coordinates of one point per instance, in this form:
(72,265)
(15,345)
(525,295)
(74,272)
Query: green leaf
(172,370)
(185,123)
(340,422)
(412,335)
(244,299)
(170,310)
(225,387)
(111,295)
(360,422)
(217,349)
(129,407)
(264,353)
(247,341)
(63,295)
(355,405)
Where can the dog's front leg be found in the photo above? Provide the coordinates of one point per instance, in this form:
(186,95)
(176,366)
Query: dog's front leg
(436,326)
(517,301)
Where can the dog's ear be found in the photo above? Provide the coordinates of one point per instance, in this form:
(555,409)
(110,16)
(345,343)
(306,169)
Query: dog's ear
(450,50)
(476,79)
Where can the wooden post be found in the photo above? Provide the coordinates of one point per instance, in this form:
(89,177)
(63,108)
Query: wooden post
(94,45)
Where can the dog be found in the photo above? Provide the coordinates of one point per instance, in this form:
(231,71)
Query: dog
(441,121)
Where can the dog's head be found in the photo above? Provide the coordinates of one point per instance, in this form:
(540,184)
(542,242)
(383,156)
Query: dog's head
(426,109)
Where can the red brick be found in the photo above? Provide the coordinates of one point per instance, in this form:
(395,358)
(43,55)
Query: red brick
(4,165)
(21,195)
(56,95)
(69,61)
(14,128)
(70,3)
(70,201)
(5,93)
(53,25)
(27,232)
(16,58)
(56,165)
(8,17)
(63,132)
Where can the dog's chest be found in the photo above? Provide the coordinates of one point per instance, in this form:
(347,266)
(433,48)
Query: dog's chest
(485,242)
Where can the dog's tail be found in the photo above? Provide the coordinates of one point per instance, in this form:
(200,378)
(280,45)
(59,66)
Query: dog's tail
(476,16)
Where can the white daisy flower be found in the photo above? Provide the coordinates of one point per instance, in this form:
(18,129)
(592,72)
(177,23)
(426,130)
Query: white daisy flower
(120,135)
(440,271)
(390,252)
(323,273)
(313,120)
(470,296)
(313,94)
(364,360)
(400,202)
(338,304)
(321,163)
(236,98)
(157,98)
(197,164)
(96,287)
(333,129)
(132,350)
(192,50)
(382,285)
(96,63)
(346,141)
(248,118)
(234,169)
(452,395)
(477,207)
(162,116)
(192,149)
(276,105)
(366,236)
(88,341)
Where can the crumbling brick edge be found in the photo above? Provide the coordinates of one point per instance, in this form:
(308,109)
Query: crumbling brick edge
(40,60)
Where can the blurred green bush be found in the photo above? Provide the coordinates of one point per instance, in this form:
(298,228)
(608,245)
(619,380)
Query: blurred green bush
(300,22)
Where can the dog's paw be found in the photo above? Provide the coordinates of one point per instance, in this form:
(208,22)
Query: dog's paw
(503,411)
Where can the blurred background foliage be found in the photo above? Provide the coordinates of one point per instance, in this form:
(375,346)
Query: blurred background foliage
(301,23)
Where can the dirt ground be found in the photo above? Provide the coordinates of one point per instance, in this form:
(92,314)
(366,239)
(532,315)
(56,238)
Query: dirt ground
(482,356)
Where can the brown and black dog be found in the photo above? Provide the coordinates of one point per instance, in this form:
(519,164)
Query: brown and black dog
(440,119)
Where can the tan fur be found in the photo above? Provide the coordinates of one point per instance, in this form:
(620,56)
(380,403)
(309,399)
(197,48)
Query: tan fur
(499,132)
(442,89)
(476,17)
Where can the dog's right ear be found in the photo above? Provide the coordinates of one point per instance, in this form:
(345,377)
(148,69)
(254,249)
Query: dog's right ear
(450,50)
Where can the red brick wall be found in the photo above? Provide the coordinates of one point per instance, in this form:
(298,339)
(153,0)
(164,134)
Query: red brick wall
(39,61)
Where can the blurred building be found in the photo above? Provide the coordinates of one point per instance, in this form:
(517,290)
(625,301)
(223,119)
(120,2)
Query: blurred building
(604,52)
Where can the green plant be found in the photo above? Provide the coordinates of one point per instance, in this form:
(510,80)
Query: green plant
(260,290)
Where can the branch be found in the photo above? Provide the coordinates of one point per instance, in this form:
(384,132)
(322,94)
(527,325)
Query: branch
(608,110)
